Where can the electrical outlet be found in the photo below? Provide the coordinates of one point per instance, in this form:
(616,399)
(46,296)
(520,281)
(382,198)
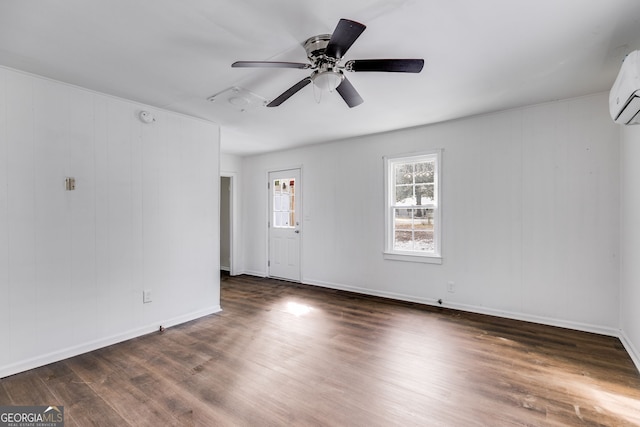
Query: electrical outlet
(146,296)
(451,287)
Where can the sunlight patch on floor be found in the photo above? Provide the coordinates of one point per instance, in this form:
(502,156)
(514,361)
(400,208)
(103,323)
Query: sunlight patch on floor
(605,403)
(624,407)
(298,309)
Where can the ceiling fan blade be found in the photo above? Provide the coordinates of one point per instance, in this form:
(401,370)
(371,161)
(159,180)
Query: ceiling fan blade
(388,65)
(349,93)
(343,36)
(289,92)
(269,64)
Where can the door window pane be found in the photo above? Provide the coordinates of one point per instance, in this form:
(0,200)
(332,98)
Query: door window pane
(284,215)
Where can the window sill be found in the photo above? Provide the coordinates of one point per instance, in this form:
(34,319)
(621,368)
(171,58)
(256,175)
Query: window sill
(425,259)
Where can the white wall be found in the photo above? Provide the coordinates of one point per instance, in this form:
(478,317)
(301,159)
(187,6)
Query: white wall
(144,215)
(230,163)
(530,214)
(630,240)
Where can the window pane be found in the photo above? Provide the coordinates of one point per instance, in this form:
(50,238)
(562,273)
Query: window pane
(423,219)
(403,241)
(283,203)
(404,173)
(277,219)
(404,195)
(424,194)
(413,230)
(424,172)
(403,219)
(423,241)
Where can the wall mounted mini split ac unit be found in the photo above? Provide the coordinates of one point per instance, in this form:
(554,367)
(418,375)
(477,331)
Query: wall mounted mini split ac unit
(624,98)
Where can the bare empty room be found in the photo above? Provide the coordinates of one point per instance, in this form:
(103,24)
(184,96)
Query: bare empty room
(320,213)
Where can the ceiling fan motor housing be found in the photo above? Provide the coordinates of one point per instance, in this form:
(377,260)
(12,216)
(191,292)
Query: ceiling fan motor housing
(315,47)
(326,74)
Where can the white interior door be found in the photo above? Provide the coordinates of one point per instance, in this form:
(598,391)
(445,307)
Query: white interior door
(285,218)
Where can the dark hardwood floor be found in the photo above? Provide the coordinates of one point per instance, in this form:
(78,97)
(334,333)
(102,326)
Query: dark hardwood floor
(290,354)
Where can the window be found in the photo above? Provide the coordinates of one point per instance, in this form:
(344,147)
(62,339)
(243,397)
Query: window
(412,207)
(283,203)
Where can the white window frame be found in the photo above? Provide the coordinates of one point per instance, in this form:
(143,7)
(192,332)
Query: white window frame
(389,198)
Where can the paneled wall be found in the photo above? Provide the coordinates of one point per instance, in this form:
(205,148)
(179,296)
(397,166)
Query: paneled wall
(143,216)
(530,209)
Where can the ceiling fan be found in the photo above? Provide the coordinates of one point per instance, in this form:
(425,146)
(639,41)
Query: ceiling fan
(325,54)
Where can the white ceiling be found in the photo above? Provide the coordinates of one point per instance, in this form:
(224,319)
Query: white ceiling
(480,56)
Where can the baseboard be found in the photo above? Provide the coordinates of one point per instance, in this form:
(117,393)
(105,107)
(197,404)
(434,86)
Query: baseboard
(550,321)
(633,352)
(254,273)
(584,327)
(56,356)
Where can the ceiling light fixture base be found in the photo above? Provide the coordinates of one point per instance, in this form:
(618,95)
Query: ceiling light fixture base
(238,98)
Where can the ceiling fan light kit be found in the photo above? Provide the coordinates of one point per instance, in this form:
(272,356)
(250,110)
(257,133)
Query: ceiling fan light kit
(327,80)
(325,53)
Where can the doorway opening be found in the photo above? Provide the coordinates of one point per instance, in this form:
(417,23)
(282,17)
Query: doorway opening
(226,224)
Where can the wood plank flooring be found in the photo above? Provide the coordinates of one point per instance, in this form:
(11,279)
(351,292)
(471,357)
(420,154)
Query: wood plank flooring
(290,354)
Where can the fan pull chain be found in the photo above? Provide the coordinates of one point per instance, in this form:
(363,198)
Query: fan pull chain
(317,93)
